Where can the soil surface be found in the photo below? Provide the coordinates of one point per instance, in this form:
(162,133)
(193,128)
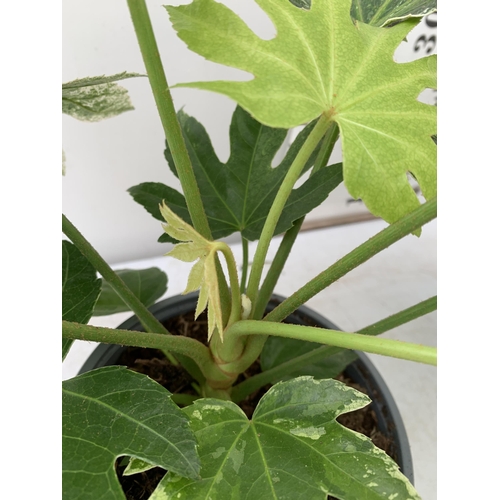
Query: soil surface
(154,364)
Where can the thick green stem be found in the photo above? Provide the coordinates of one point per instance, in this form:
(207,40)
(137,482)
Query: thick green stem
(396,231)
(326,148)
(286,245)
(392,233)
(233,283)
(244,268)
(385,347)
(242,390)
(232,347)
(223,291)
(279,202)
(148,321)
(400,318)
(186,346)
(276,268)
(166,110)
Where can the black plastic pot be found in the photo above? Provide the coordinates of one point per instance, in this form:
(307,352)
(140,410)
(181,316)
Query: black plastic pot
(361,371)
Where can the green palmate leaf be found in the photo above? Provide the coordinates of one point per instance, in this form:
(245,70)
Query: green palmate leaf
(148,285)
(321,62)
(237,195)
(80,288)
(152,194)
(279,350)
(203,275)
(292,448)
(80,285)
(95,98)
(113,412)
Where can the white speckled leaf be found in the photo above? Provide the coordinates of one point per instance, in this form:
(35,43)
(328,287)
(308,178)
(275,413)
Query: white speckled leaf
(111,412)
(95,98)
(293,448)
(383,12)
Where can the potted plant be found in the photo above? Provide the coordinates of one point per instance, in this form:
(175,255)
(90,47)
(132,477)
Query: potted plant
(329,67)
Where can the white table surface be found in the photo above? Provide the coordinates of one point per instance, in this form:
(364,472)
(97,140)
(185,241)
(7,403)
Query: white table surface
(397,278)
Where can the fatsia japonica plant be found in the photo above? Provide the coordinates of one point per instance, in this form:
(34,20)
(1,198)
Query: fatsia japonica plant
(331,68)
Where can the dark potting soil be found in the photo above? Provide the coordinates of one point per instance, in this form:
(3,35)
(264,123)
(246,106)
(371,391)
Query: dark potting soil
(155,365)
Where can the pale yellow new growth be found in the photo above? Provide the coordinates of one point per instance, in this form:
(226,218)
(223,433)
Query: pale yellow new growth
(203,275)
